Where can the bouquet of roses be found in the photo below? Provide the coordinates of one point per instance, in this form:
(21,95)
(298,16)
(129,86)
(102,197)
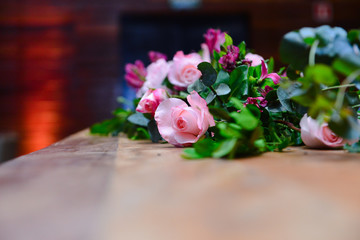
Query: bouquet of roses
(227,102)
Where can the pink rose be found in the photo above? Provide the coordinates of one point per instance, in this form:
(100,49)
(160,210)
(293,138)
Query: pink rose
(135,74)
(183,70)
(182,125)
(156,74)
(254,59)
(315,135)
(151,100)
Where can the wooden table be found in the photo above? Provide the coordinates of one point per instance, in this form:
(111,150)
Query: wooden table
(90,187)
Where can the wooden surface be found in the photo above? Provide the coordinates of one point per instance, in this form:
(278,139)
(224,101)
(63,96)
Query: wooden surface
(89,187)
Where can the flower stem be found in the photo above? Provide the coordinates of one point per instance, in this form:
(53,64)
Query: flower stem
(290,125)
(339,86)
(340,97)
(313,52)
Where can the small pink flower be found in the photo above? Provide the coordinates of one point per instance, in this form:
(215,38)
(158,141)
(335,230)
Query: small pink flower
(182,125)
(154,56)
(264,74)
(254,59)
(135,74)
(183,70)
(315,135)
(229,60)
(151,100)
(214,38)
(257,101)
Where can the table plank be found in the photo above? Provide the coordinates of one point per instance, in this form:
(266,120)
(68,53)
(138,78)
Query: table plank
(57,192)
(88,187)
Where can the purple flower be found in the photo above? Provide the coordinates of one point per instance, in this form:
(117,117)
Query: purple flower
(228,61)
(258,101)
(213,39)
(135,74)
(154,56)
(264,74)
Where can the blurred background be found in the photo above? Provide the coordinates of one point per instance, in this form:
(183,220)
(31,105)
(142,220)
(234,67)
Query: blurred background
(62,61)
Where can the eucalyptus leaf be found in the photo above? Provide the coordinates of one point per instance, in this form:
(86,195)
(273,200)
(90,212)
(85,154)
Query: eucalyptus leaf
(222,89)
(210,97)
(154,131)
(209,74)
(197,86)
(138,119)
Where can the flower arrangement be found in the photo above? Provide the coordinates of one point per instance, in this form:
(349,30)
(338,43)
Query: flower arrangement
(226,102)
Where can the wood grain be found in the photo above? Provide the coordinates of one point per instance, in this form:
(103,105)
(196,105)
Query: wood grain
(88,187)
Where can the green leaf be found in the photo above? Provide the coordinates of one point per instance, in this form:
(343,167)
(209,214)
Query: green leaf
(294,51)
(321,74)
(345,124)
(138,119)
(355,148)
(219,113)
(245,119)
(354,36)
(107,127)
(225,147)
(237,76)
(222,77)
(229,130)
(222,89)
(205,147)
(190,153)
(154,131)
(347,64)
(284,98)
(197,86)
(237,103)
(228,40)
(271,65)
(242,49)
(210,97)
(209,74)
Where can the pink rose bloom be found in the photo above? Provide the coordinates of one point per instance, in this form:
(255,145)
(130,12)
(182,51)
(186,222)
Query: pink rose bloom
(135,74)
(151,100)
(214,38)
(182,125)
(254,59)
(315,135)
(183,70)
(154,56)
(156,74)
